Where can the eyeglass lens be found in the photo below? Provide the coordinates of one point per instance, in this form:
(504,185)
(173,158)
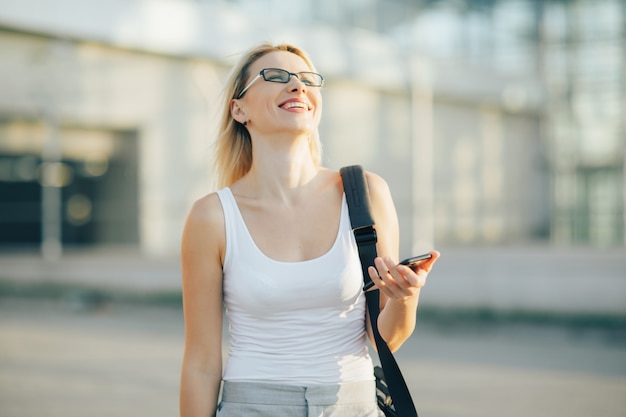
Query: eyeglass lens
(277,75)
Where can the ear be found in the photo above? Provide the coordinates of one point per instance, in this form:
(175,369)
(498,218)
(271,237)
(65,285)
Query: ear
(237,111)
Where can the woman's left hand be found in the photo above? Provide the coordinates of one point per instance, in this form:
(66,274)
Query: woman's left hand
(399,282)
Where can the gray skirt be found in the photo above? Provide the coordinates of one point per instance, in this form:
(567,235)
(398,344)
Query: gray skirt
(253,399)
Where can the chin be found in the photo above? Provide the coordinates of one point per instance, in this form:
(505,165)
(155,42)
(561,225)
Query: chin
(300,129)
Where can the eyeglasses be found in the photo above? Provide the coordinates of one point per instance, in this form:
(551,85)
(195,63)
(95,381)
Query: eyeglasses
(277,75)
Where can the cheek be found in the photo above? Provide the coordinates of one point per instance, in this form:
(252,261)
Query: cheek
(318,114)
(269,108)
(317,102)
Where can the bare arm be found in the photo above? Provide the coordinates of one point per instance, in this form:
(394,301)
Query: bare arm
(202,251)
(400,286)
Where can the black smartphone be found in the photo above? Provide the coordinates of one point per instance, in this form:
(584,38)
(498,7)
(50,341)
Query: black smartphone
(412,261)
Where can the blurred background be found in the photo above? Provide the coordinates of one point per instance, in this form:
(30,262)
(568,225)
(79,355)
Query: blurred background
(499,125)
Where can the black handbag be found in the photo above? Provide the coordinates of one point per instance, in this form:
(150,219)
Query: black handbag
(393,396)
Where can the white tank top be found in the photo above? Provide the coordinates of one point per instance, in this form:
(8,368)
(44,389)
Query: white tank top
(300,323)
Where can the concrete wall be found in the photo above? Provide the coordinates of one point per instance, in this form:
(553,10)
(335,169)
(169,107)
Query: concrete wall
(114,68)
(167,101)
(171,104)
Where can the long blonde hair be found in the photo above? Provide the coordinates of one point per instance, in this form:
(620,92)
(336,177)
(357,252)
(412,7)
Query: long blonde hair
(233,153)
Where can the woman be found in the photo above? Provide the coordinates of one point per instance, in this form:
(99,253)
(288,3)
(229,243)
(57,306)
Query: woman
(274,246)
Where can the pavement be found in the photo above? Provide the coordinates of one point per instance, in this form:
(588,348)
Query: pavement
(118,359)
(101,334)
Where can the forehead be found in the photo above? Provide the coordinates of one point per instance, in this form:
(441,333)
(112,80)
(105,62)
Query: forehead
(280,59)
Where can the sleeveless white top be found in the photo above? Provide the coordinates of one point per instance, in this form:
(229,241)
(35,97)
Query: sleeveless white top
(300,323)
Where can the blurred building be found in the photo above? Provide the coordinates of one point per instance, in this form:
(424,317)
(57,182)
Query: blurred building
(493,121)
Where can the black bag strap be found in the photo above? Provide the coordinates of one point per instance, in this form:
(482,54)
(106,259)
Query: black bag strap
(357,197)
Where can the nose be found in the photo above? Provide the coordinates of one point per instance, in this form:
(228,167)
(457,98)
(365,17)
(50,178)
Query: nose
(295,84)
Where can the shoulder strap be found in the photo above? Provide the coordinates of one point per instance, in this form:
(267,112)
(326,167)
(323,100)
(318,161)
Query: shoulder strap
(357,197)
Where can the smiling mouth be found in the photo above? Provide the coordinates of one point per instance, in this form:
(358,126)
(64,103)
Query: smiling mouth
(295,105)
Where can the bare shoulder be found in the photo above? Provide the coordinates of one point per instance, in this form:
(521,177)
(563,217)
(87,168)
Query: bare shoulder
(206,211)
(383,208)
(377,186)
(204,231)
(380,195)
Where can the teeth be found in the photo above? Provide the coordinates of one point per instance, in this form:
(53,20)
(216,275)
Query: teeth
(295,104)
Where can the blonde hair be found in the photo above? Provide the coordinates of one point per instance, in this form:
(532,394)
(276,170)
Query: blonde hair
(233,153)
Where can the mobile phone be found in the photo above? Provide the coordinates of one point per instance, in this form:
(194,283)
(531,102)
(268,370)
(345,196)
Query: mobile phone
(414,260)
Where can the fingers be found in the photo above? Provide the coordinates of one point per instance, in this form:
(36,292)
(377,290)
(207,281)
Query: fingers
(400,281)
(395,281)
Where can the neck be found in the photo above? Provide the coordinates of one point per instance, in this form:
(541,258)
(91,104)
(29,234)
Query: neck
(281,171)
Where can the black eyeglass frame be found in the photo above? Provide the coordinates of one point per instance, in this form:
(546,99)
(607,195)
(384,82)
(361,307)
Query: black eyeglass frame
(298,75)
